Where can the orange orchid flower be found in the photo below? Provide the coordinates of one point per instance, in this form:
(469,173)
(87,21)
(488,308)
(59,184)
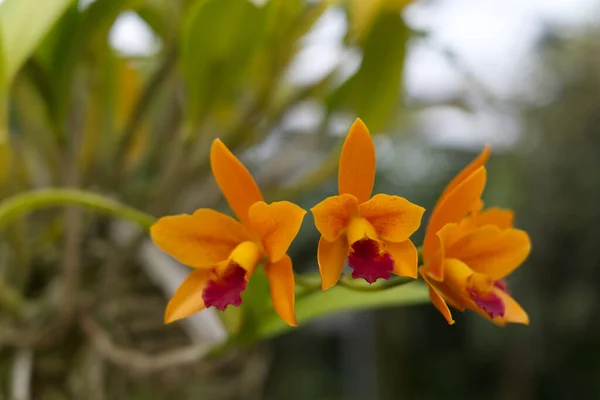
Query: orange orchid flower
(467,251)
(372,233)
(225,252)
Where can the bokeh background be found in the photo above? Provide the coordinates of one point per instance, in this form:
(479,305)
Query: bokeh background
(123,98)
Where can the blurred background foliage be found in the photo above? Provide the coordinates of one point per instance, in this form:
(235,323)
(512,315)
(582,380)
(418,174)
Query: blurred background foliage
(80,303)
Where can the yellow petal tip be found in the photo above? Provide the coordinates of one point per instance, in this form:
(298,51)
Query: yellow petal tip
(359,121)
(217,141)
(169,319)
(216,145)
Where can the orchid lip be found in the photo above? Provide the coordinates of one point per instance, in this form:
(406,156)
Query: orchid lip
(368,263)
(225,290)
(490,303)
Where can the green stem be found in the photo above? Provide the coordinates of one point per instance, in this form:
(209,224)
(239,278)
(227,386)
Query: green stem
(23,203)
(362,286)
(307,283)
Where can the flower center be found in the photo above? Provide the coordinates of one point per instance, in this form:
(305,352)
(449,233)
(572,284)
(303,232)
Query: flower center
(226,289)
(480,288)
(368,263)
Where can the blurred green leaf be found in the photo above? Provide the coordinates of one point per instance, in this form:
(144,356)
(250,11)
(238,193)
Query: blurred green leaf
(154,15)
(3,86)
(219,40)
(374,92)
(362,13)
(318,304)
(163,17)
(288,21)
(23,24)
(5,151)
(80,35)
(2,83)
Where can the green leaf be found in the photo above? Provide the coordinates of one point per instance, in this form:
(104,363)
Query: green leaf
(23,24)
(81,34)
(6,156)
(219,41)
(313,305)
(5,150)
(163,17)
(375,91)
(2,73)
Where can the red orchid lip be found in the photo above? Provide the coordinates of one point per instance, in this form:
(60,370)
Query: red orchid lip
(368,263)
(490,303)
(226,290)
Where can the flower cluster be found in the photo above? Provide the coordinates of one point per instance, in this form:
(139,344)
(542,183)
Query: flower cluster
(467,250)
